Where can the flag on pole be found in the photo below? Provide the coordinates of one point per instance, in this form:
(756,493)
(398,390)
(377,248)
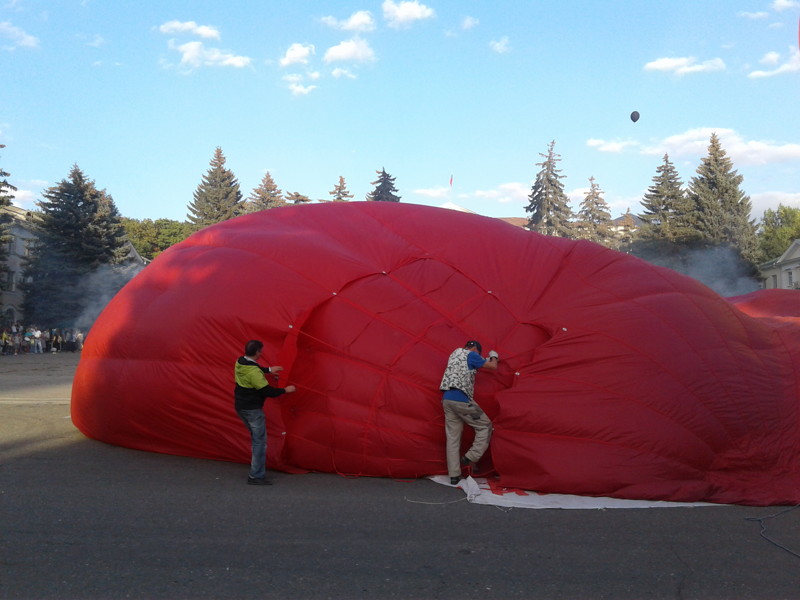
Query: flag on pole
(451,181)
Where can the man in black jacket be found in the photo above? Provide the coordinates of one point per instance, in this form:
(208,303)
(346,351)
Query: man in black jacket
(252,389)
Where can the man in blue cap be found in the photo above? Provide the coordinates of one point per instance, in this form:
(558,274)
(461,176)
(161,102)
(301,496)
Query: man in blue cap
(458,385)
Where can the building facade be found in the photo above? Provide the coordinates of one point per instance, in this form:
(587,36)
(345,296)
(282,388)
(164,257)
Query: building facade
(782,273)
(19,246)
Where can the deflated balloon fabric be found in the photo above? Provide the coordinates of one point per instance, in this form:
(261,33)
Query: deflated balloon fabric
(616,378)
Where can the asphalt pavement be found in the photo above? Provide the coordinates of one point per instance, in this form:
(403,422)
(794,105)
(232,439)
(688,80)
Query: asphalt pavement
(82,519)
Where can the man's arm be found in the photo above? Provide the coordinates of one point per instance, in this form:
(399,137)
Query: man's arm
(491,363)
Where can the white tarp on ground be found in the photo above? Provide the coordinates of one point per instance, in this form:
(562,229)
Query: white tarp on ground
(481,491)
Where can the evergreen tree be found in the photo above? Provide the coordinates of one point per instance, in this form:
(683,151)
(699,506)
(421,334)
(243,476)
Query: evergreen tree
(666,208)
(217,198)
(6,196)
(384,188)
(339,192)
(549,209)
(267,195)
(297,198)
(78,230)
(721,208)
(778,229)
(593,215)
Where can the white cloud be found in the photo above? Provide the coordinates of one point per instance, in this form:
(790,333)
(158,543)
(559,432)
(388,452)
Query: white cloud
(791,65)
(296,85)
(754,15)
(25,198)
(576,196)
(195,55)
(694,144)
(405,13)
(355,50)
(469,23)
(338,73)
(18,38)
(770,58)
(204,31)
(507,193)
(761,201)
(359,21)
(434,192)
(781,5)
(611,145)
(297,53)
(684,65)
(500,46)
(301,90)
(97,41)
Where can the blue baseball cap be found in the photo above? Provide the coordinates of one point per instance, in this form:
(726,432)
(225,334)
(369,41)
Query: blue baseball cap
(474,344)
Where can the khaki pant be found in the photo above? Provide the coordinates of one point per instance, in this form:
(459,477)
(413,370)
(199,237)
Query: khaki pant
(455,415)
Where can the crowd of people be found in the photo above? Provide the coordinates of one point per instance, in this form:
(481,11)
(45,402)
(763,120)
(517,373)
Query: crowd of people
(17,339)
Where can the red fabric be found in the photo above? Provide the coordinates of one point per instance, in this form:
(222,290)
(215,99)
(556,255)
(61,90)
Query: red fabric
(617,378)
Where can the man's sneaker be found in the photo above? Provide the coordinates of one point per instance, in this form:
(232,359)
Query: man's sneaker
(454,480)
(262,481)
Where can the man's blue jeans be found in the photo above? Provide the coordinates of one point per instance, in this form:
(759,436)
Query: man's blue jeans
(257,426)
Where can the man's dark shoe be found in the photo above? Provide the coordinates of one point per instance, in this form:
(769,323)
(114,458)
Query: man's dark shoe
(454,480)
(465,462)
(254,481)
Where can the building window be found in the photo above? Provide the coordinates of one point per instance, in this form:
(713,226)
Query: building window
(790,279)
(774,281)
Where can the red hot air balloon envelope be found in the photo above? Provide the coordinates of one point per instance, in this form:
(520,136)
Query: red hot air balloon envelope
(617,378)
(635,116)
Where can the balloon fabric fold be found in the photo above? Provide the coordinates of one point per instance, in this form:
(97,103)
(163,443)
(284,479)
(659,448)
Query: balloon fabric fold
(617,378)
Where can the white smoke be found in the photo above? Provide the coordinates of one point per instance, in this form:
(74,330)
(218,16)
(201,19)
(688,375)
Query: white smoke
(720,269)
(98,288)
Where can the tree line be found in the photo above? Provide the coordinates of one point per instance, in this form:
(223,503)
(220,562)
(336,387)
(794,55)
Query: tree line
(218,198)
(79,229)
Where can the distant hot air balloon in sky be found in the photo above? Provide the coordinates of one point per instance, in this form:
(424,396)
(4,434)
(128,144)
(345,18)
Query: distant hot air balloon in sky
(635,116)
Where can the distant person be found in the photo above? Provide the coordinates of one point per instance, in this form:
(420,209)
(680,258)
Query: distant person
(37,340)
(5,337)
(458,385)
(252,389)
(56,346)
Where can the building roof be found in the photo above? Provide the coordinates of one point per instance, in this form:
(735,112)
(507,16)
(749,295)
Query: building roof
(516,221)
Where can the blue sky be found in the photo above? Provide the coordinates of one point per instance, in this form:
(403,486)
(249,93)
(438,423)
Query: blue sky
(139,93)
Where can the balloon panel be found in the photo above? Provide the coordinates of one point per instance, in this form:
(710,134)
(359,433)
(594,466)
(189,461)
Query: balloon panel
(616,377)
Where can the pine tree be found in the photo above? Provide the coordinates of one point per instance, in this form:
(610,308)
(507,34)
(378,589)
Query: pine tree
(217,198)
(339,192)
(594,217)
(6,196)
(549,209)
(384,188)
(297,198)
(721,208)
(77,231)
(667,209)
(267,195)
